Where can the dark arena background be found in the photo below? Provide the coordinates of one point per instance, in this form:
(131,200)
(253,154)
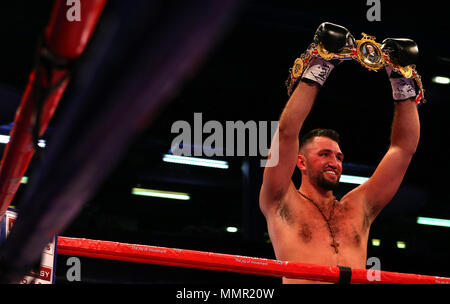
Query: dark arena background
(234,70)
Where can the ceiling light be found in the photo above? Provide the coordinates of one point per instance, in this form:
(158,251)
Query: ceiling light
(195,161)
(4,139)
(352,179)
(232,229)
(41,143)
(433,221)
(441,80)
(376,242)
(401,244)
(160,193)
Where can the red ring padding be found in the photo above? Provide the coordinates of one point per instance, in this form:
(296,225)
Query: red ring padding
(227,262)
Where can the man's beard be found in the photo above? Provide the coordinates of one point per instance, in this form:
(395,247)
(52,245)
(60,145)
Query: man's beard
(324,183)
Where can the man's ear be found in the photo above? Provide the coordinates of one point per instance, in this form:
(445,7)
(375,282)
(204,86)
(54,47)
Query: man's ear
(301,162)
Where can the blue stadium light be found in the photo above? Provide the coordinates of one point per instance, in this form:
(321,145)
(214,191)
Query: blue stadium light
(352,179)
(441,80)
(433,221)
(4,139)
(195,161)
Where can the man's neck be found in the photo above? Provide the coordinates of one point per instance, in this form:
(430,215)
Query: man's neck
(315,192)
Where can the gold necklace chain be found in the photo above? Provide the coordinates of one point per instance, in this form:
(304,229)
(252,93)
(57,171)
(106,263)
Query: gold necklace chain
(334,243)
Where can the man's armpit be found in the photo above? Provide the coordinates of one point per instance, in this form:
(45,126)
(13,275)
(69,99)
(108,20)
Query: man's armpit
(284,212)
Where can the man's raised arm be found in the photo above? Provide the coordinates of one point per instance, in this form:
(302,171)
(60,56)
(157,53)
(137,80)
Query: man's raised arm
(385,181)
(277,177)
(387,178)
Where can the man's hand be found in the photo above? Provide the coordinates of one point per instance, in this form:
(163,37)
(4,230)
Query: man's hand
(332,38)
(403,52)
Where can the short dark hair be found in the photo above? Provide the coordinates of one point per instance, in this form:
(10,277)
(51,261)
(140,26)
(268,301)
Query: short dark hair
(332,134)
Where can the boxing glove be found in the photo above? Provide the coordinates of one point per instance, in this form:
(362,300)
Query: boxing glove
(402,51)
(333,37)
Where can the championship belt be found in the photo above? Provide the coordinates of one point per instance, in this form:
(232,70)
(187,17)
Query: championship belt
(369,53)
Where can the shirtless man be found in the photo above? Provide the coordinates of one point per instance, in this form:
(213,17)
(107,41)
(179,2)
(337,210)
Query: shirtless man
(308,224)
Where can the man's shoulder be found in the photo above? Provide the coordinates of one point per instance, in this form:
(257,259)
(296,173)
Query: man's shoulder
(354,198)
(271,204)
(356,194)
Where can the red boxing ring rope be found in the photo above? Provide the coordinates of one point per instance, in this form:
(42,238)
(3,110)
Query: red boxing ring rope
(67,41)
(232,263)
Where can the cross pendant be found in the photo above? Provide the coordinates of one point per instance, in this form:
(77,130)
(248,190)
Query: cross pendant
(335,245)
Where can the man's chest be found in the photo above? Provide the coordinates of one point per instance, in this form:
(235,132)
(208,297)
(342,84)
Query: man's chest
(343,222)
